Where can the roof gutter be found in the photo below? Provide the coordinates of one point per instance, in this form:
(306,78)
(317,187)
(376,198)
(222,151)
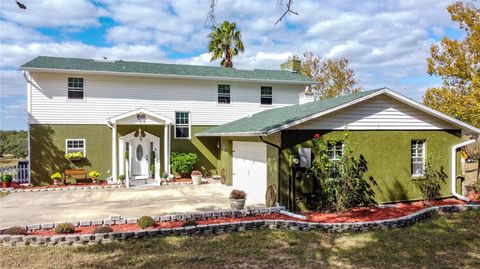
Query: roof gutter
(55,70)
(453,170)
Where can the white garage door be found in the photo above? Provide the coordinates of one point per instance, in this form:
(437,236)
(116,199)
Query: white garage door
(250,169)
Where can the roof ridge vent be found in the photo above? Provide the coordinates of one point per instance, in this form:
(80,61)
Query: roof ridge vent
(104,61)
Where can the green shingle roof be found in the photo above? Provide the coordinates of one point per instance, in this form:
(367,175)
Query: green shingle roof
(263,122)
(77,64)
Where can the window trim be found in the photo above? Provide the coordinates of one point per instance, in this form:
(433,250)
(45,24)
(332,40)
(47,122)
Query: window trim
(75,139)
(84,89)
(189,125)
(423,157)
(271,96)
(334,142)
(229,94)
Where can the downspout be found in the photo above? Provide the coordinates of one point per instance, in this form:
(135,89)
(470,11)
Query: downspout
(453,171)
(278,163)
(29,111)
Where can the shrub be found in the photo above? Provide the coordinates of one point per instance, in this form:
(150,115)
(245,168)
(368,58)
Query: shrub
(94,174)
(7,178)
(183,163)
(15,231)
(196,173)
(74,155)
(431,184)
(102,230)
(145,222)
(340,185)
(189,223)
(64,228)
(56,175)
(238,194)
(122,178)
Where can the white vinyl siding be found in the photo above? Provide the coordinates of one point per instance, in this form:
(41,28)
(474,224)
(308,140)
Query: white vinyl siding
(110,95)
(75,145)
(418,158)
(76,88)
(182,125)
(377,113)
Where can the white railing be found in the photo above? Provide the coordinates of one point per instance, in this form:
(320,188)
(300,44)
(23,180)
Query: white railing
(18,171)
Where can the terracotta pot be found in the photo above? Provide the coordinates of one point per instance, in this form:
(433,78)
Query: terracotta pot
(237,204)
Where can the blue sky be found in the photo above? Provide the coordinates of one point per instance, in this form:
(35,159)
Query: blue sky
(386,41)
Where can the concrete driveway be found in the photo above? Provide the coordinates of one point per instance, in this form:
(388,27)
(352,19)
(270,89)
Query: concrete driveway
(74,205)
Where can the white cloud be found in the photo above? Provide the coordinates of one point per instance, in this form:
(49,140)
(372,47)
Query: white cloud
(12,83)
(11,33)
(51,13)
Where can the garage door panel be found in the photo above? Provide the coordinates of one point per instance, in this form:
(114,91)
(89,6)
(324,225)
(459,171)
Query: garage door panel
(250,169)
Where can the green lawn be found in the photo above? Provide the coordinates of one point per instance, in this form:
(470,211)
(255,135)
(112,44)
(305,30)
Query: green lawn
(446,241)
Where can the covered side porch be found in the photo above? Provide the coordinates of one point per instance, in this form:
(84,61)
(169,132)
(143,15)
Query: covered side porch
(140,146)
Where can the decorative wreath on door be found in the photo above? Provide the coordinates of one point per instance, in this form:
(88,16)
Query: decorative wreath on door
(271,196)
(223,176)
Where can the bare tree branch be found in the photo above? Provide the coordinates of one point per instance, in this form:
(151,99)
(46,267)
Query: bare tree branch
(289,10)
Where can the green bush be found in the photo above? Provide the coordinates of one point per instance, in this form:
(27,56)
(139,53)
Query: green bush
(145,222)
(15,231)
(102,230)
(183,163)
(7,178)
(64,228)
(432,183)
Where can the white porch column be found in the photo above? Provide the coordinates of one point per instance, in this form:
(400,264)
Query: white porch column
(114,153)
(166,159)
(121,157)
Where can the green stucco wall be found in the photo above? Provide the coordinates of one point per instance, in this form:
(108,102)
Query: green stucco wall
(47,150)
(387,154)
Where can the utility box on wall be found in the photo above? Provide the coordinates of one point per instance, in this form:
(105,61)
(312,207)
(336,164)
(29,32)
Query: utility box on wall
(307,183)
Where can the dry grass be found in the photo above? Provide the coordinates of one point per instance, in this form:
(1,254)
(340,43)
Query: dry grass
(446,241)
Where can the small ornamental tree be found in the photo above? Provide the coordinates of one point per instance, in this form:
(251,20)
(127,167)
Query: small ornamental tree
(341,184)
(430,186)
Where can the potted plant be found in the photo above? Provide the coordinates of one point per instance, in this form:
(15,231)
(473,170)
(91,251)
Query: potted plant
(237,199)
(6,180)
(56,177)
(74,156)
(94,175)
(196,177)
(122,179)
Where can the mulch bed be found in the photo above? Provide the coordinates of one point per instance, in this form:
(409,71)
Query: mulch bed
(354,215)
(171,224)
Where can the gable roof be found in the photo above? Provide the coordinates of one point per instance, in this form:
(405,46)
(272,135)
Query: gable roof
(57,64)
(274,120)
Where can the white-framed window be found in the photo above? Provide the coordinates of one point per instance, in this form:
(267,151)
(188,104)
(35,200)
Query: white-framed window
(76,145)
(418,157)
(266,95)
(75,88)
(335,150)
(223,94)
(182,125)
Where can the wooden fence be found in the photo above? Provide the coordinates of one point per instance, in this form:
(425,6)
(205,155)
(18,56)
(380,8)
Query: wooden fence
(18,171)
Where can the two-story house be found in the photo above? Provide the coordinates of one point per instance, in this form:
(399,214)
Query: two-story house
(254,128)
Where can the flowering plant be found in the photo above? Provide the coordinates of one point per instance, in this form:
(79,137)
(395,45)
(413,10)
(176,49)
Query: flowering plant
(94,174)
(74,155)
(56,175)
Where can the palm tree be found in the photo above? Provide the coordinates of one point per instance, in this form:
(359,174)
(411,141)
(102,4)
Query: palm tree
(225,42)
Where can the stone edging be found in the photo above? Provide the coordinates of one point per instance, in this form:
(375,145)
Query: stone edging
(91,239)
(110,186)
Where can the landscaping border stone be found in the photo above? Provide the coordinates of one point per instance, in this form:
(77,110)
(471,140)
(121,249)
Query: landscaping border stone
(218,228)
(71,188)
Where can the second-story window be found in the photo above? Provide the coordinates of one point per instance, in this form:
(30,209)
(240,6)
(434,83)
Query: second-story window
(266,97)
(75,88)
(223,94)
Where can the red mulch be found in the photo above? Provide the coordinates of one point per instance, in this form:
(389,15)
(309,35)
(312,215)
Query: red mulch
(17,185)
(173,224)
(376,213)
(354,215)
(474,197)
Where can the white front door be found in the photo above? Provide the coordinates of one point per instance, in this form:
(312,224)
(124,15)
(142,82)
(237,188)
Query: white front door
(140,158)
(250,169)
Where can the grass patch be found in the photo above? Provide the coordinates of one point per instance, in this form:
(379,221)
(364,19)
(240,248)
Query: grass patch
(445,241)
